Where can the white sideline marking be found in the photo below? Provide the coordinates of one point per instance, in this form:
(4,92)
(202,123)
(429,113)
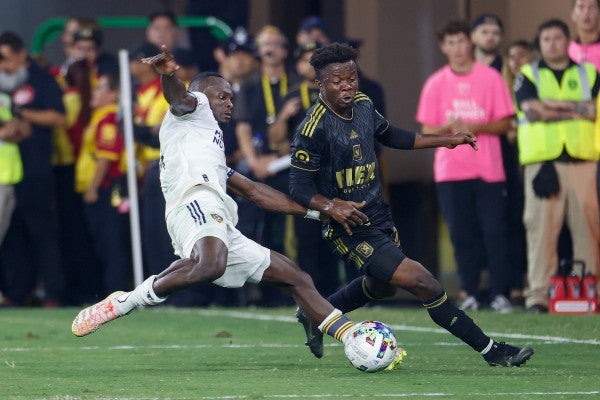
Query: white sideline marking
(338,396)
(408,328)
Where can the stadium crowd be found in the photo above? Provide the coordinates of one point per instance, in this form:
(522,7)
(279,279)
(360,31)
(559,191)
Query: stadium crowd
(515,207)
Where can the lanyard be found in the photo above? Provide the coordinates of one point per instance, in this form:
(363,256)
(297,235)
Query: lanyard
(304,96)
(268,95)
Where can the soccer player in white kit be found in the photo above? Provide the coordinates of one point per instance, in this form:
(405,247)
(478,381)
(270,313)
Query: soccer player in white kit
(201,217)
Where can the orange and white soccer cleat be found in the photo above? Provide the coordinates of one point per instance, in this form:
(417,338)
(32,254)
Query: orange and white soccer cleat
(90,319)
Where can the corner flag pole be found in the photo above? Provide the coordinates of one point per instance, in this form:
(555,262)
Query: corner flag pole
(134,213)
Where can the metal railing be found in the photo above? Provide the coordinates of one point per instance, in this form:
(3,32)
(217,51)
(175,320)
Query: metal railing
(53,27)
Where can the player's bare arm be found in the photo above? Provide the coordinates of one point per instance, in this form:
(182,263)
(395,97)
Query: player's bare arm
(264,196)
(175,92)
(430,139)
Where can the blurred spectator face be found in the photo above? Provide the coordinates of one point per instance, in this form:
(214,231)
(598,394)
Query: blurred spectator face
(517,57)
(103,95)
(487,38)
(162,31)
(554,44)
(240,64)
(303,67)
(585,15)
(316,35)
(457,48)
(85,48)
(271,47)
(66,37)
(12,61)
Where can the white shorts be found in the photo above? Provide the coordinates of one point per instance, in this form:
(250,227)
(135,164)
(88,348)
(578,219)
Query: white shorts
(204,214)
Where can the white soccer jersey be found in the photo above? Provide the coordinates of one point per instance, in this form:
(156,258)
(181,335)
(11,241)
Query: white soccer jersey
(192,153)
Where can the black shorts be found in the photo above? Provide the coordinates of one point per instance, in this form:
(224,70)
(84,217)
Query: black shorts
(374,252)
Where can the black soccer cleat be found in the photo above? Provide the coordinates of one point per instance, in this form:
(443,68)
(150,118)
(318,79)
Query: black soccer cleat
(505,355)
(314,337)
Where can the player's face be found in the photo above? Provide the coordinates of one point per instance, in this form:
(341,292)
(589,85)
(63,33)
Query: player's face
(339,85)
(585,15)
(220,97)
(554,45)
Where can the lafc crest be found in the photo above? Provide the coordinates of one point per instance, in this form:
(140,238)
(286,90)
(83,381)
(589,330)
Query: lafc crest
(365,249)
(356,152)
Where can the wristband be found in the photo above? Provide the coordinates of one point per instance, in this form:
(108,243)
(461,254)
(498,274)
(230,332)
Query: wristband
(171,74)
(312,214)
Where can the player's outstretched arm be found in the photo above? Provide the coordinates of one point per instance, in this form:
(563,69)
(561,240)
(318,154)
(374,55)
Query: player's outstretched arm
(450,141)
(175,92)
(264,196)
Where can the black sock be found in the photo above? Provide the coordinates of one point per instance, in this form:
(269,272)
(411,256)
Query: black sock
(351,296)
(446,315)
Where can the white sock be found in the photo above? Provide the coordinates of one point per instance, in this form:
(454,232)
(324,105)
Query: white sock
(488,347)
(335,313)
(143,295)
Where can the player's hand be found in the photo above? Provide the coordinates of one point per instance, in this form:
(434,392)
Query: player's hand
(347,214)
(163,63)
(459,138)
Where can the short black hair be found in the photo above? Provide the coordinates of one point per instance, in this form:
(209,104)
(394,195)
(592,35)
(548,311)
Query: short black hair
(334,53)
(12,40)
(453,28)
(166,13)
(199,82)
(554,23)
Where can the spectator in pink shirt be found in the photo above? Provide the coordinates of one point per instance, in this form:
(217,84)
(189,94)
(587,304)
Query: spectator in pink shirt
(467,96)
(586,46)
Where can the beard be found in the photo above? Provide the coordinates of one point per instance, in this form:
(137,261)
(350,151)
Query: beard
(9,82)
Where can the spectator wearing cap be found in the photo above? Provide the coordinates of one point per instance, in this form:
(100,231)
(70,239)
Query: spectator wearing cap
(87,43)
(487,32)
(149,110)
(312,29)
(236,56)
(258,102)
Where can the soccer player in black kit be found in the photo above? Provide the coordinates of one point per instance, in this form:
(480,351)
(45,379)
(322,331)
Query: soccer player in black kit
(334,168)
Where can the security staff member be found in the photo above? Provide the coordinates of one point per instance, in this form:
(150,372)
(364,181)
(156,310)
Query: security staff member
(556,139)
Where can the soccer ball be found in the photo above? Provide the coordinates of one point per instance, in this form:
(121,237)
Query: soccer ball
(371,346)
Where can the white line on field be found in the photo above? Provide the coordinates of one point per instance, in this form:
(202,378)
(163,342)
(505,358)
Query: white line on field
(408,328)
(340,395)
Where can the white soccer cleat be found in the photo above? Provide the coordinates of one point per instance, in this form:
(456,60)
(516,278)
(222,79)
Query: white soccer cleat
(90,319)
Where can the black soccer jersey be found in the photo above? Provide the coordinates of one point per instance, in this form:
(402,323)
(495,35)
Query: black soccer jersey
(341,153)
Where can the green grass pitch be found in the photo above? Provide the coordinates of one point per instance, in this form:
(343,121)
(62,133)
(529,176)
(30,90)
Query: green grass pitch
(166,353)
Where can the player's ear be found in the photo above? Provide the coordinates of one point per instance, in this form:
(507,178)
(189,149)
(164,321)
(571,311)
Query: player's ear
(318,82)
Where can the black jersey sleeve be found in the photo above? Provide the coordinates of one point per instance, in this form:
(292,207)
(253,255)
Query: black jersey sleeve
(397,138)
(306,152)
